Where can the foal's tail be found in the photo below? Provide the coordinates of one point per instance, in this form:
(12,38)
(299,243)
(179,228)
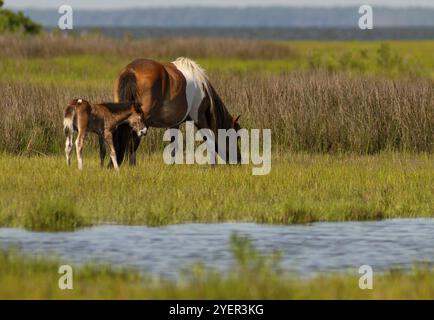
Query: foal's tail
(68,120)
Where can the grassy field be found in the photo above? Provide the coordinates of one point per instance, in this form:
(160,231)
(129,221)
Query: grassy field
(83,54)
(352,135)
(318,97)
(352,132)
(252,276)
(395,59)
(301,188)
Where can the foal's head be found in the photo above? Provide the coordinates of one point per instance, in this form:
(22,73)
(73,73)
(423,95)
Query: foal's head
(137,120)
(78,102)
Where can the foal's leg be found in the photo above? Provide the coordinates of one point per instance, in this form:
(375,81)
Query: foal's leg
(102,149)
(79,148)
(68,148)
(108,137)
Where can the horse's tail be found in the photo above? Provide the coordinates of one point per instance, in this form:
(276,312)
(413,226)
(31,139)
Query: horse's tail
(68,120)
(126,91)
(127,86)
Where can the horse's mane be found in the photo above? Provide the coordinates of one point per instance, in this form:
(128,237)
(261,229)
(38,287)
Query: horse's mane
(195,69)
(219,112)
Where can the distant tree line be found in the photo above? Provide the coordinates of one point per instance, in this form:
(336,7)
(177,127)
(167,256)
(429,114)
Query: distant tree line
(16,22)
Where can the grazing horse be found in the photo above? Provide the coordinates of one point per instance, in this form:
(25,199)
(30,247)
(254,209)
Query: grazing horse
(102,119)
(170,94)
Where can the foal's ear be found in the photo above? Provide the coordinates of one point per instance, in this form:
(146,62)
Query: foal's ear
(236,119)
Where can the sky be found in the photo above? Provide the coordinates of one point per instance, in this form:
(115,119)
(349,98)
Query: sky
(116,4)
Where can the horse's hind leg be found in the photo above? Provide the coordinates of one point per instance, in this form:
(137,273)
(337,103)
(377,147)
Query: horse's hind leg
(68,148)
(122,138)
(102,150)
(134,145)
(79,148)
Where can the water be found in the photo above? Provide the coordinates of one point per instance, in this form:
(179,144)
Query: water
(268,33)
(306,249)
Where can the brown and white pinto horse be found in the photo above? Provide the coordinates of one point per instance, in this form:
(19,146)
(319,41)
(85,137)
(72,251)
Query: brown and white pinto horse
(170,94)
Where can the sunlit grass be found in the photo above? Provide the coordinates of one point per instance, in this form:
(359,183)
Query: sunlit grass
(418,51)
(300,189)
(100,71)
(53,215)
(355,57)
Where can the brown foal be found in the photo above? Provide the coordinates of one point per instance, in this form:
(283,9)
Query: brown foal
(102,119)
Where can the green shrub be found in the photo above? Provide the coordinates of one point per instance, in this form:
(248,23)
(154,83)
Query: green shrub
(16,22)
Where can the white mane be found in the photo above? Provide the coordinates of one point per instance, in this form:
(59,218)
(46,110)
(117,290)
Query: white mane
(197,85)
(190,67)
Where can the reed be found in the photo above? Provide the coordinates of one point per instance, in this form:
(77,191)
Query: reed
(50,45)
(309,112)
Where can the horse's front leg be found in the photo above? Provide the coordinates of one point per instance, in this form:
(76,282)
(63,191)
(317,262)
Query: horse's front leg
(108,137)
(102,150)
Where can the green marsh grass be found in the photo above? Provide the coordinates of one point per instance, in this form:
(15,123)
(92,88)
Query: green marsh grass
(353,134)
(53,215)
(231,55)
(254,275)
(300,188)
(349,143)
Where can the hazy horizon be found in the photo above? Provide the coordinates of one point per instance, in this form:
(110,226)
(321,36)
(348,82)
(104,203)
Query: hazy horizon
(129,4)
